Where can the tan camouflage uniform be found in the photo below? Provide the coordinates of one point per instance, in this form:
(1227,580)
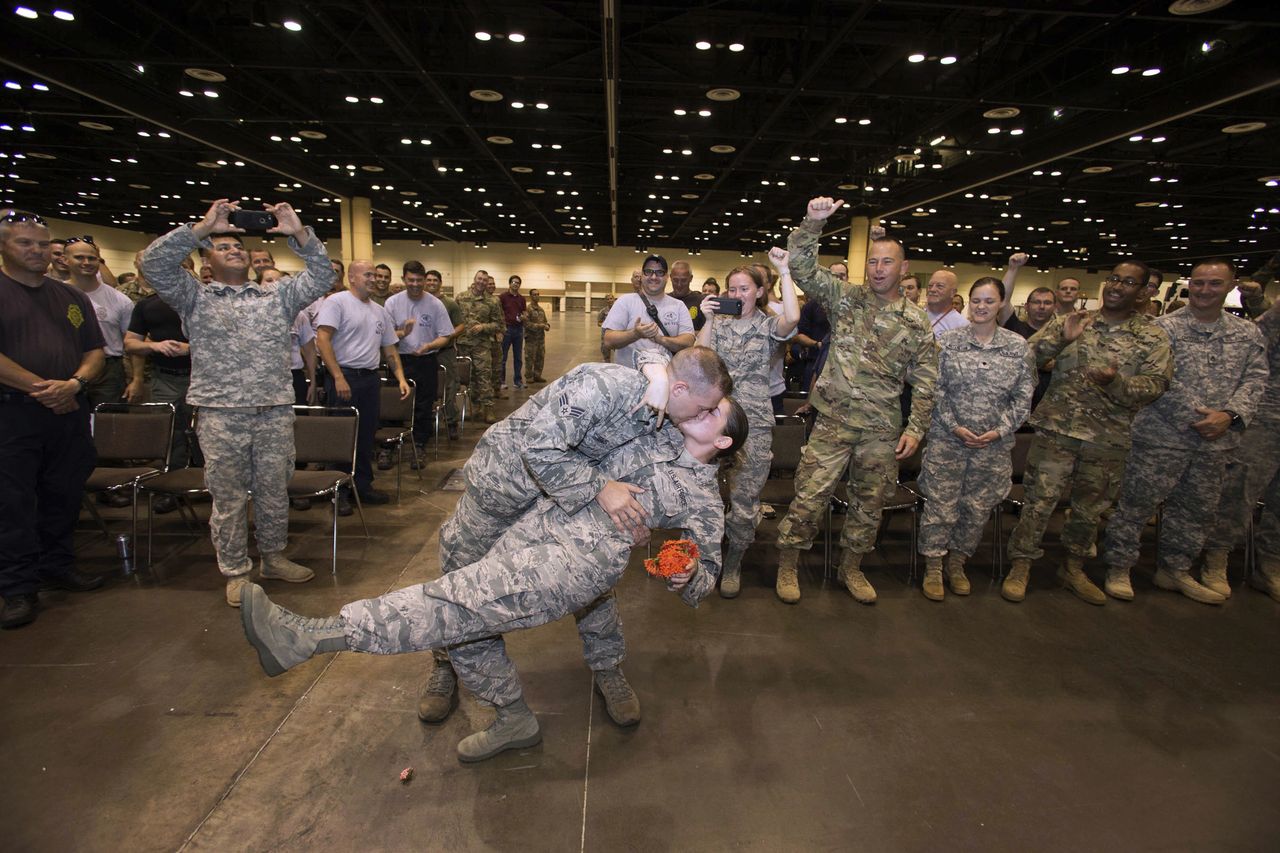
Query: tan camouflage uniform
(535,342)
(549,563)
(485,312)
(242,386)
(980,387)
(1222,366)
(875,348)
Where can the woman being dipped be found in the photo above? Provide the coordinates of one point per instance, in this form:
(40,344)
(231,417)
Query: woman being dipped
(983,395)
(747,343)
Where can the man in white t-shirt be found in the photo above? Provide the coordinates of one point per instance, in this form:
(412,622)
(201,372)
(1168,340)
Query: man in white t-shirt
(942,316)
(114,311)
(422,323)
(354,333)
(648,319)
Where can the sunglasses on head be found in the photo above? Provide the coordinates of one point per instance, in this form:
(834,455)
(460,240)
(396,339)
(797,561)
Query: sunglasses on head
(22,216)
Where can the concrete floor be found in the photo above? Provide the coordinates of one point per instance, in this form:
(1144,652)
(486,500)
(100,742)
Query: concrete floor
(137,718)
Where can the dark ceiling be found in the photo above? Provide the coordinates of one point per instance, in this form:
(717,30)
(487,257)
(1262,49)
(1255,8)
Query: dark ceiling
(385,99)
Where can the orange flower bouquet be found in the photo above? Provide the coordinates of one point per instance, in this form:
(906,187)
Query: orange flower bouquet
(673,558)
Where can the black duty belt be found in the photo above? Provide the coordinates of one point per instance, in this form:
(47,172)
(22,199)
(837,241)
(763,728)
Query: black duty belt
(358,371)
(173,371)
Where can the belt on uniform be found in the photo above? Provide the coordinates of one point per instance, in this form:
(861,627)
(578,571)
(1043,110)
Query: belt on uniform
(358,371)
(173,371)
(245,410)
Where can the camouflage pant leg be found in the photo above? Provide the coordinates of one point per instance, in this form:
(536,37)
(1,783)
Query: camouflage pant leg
(243,452)
(496,367)
(467,610)
(1051,462)
(481,385)
(109,386)
(1191,511)
(746,480)
(534,355)
(1151,474)
(963,487)
(822,460)
(600,629)
(448,360)
(873,470)
(470,532)
(1094,488)
(1253,474)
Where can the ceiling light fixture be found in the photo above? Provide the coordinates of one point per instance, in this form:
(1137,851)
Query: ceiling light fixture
(916,57)
(518,38)
(291,25)
(1120,69)
(63,15)
(737,47)
(947,60)
(481,35)
(24,12)
(702,45)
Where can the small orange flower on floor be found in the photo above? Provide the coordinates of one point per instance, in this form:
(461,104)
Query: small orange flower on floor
(673,558)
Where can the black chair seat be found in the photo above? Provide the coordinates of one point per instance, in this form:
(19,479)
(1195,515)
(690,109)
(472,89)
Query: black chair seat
(178,482)
(109,478)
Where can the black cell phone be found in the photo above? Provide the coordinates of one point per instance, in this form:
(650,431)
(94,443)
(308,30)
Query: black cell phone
(253,220)
(729,306)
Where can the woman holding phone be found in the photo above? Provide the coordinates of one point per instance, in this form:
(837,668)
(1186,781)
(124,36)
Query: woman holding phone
(746,334)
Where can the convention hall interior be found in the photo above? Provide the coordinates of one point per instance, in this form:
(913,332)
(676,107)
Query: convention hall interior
(565,141)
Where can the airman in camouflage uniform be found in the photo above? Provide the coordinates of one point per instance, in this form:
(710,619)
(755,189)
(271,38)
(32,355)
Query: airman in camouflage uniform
(548,564)
(551,446)
(136,289)
(1182,441)
(240,379)
(981,387)
(482,317)
(535,339)
(878,342)
(1104,371)
(1253,474)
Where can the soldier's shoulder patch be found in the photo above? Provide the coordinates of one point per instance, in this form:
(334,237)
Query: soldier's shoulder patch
(74,315)
(568,410)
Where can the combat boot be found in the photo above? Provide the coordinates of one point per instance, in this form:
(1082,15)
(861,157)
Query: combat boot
(932,584)
(956,578)
(1118,585)
(514,727)
(439,695)
(1072,574)
(1213,573)
(1014,587)
(235,589)
(731,574)
(788,586)
(488,416)
(284,639)
(619,699)
(278,567)
(854,580)
(1266,577)
(1183,582)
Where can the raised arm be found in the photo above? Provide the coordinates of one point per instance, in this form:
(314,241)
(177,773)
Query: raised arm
(790,304)
(1016,262)
(802,249)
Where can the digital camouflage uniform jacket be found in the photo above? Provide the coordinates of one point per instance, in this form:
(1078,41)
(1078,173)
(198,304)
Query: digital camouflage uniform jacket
(981,387)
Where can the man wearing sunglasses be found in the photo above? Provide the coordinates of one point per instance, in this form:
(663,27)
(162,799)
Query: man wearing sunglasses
(648,318)
(50,349)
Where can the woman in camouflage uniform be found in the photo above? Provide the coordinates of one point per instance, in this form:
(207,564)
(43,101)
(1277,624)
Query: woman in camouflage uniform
(747,345)
(983,395)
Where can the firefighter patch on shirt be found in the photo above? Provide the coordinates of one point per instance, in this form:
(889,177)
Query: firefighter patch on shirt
(75,316)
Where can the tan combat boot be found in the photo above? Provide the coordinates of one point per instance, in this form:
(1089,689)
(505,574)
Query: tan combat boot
(1266,577)
(1190,587)
(1118,585)
(956,577)
(1214,572)
(488,416)
(514,727)
(854,580)
(235,588)
(932,585)
(1014,587)
(1072,574)
(788,586)
(439,696)
(278,567)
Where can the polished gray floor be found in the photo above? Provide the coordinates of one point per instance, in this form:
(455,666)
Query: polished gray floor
(137,718)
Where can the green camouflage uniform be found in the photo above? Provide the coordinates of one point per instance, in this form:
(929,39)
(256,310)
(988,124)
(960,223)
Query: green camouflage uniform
(875,348)
(535,342)
(1253,472)
(1221,366)
(448,358)
(241,385)
(1082,428)
(549,563)
(980,387)
(495,357)
(477,345)
(747,347)
(136,290)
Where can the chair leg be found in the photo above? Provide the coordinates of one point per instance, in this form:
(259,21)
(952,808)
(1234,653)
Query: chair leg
(399,465)
(133,542)
(359,509)
(150,524)
(335,530)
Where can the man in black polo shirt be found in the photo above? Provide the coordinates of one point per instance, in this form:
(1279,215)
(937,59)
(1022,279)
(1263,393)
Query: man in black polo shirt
(155,333)
(50,348)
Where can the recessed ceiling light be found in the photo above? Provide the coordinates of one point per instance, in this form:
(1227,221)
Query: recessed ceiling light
(723,149)
(1270,180)
(737,47)
(95,125)
(864,121)
(486,95)
(846,186)
(205,75)
(312,134)
(1002,112)
(542,105)
(702,45)
(916,57)
(40,155)
(723,94)
(689,196)
(1096,170)
(372,168)
(704,176)
(523,170)
(63,15)
(946,60)
(704,113)
(409,193)
(1147,204)
(1059,222)
(1001,197)
(1244,127)
(518,38)
(208,164)
(291,25)
(481,35)
(500,140)
(536,191)
(1195,7)
(24,12)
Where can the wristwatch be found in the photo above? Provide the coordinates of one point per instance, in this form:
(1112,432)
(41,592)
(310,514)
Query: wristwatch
(1236,420)
(83,384)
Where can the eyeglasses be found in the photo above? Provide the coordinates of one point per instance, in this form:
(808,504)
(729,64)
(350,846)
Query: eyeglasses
(22,216)
(655,273)
(1126,281)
